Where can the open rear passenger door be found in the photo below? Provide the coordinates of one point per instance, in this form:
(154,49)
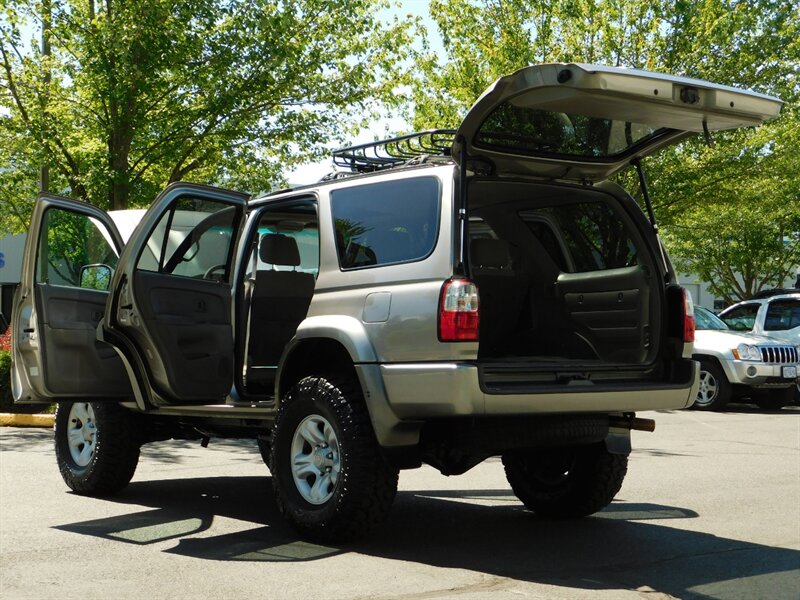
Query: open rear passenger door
(71,252)
(170,308)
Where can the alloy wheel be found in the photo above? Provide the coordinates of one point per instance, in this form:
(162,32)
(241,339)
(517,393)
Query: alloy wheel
(708,389)
(81,433)
(316,459)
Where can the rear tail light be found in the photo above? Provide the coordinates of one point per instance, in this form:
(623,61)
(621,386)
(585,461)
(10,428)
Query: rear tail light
(458,311)
(688,317)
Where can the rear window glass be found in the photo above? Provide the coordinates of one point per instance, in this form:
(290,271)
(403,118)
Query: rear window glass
(782,315)
(583,237)
(386,223)
(535,131)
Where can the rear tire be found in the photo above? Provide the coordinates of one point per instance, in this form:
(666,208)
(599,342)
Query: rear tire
(330,479)
(97,446)
(714,391)
(566,483)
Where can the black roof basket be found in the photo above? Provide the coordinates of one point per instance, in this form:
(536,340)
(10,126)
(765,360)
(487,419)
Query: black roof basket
(773,292)
(384,154)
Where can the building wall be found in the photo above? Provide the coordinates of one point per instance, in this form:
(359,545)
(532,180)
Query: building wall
(12,249)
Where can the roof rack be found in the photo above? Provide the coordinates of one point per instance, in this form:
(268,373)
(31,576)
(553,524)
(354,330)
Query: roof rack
(773,292)
(395,151)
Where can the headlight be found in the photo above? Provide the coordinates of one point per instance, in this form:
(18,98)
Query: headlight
(746,352)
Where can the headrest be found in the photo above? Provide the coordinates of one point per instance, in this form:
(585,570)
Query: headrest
(488,253)
(279,249)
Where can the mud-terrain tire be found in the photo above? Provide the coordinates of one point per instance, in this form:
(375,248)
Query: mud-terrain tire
(715,390)
(97,446)
(567,482)
(264,450)
(774,399)
(330,479)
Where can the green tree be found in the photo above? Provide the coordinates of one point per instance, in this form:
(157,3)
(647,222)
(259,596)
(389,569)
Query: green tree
(138,94)
(698,192)
(742,231)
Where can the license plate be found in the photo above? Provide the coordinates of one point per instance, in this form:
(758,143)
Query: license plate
(789,372)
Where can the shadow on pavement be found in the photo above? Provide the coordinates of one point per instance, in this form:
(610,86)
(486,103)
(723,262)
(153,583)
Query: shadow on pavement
(486,531)
(744,408)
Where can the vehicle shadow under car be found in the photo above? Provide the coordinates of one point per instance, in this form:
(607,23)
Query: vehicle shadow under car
(485,531)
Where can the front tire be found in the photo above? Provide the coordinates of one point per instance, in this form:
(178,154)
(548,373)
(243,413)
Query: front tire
(566,482)
(330,480)
(97,446)
(714,391)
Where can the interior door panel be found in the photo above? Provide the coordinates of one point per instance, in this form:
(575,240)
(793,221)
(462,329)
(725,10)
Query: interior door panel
(188,320)
(610,309)
(71,251)
(75,362)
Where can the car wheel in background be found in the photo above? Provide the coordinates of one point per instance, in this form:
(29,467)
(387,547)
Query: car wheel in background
(714,391)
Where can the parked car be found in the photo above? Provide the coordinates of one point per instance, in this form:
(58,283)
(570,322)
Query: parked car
(774,314)
(737,365)
(458,295)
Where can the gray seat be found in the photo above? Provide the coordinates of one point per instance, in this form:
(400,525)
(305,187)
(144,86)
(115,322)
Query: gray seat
(279,303)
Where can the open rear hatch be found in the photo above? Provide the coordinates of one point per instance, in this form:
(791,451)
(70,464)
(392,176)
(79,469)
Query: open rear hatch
(570,276)
(586,122)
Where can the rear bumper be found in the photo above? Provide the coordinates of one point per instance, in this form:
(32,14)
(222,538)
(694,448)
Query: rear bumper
(422,390)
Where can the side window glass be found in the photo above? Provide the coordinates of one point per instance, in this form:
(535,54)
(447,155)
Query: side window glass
(386,223)
(75,250)
(547,237)
(480,230)
(742,318)
(593,234)
(782,315)
(193,239)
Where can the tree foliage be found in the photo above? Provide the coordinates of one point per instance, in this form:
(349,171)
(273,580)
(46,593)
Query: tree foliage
(743,191)
(137,94)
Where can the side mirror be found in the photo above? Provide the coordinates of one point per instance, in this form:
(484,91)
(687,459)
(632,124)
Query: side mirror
(96,277)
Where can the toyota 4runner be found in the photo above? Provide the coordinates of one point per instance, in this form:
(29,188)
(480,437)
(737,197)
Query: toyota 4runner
(458,295)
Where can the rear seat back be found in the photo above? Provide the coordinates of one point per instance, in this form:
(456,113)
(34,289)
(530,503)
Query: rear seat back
(280,300)
(501,294)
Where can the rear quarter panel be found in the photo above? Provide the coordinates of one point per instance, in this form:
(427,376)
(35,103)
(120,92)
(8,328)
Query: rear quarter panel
(397,304)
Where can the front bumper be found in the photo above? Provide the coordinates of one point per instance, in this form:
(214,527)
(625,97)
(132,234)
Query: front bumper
(758,374)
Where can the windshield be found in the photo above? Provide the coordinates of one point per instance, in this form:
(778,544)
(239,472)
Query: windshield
(705,319)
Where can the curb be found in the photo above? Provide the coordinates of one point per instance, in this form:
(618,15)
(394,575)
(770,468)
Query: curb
(17,420)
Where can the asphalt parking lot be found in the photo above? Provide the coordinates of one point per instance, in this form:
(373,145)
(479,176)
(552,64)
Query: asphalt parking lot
(710,509)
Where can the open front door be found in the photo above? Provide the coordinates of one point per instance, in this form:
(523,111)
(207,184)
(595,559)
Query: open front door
(170,311)
(71,252)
